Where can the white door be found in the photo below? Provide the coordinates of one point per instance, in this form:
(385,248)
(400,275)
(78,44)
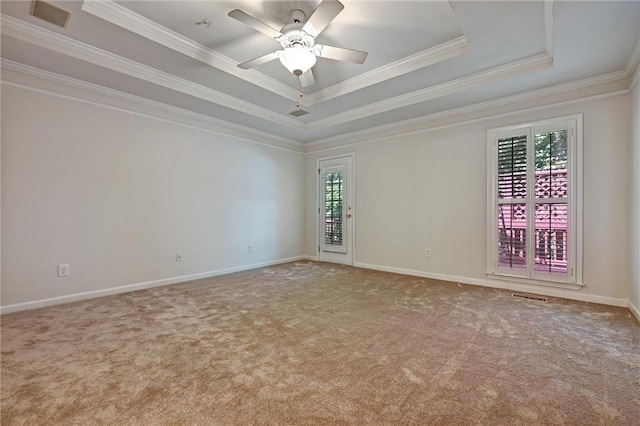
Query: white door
(335,210)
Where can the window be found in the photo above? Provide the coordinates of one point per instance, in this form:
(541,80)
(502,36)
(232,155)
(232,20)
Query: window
(333,195)
(534,201)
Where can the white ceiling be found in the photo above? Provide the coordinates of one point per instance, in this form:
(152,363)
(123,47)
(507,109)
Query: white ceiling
(425,57)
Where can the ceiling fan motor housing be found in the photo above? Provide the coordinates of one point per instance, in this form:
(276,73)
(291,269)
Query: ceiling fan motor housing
(295,37)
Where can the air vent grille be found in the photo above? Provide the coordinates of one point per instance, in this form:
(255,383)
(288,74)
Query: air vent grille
(298,112)
(50,13)
(530,296)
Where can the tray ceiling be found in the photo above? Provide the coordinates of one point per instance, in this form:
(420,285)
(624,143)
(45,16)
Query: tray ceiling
(423,56)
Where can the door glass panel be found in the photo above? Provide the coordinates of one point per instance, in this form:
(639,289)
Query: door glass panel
(333,198)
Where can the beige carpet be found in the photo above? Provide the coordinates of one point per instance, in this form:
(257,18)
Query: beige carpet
(313,343)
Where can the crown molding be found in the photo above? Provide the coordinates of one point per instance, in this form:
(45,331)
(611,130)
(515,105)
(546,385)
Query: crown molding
(512,69)
(366,140)
(400,67)
(548,26)
(30,78)
(632,66)
(138,24)
(47,39)
(67,87)
(428,122)
(39,36)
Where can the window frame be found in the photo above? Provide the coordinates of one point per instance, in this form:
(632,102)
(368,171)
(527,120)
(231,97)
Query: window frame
(573,277)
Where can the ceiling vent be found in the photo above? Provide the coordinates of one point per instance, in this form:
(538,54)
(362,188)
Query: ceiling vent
(298,112)
(50,13)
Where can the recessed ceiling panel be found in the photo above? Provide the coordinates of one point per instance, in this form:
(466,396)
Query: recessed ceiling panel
(387,30)
(424,57)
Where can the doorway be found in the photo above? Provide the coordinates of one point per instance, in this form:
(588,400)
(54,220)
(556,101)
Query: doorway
(336,217)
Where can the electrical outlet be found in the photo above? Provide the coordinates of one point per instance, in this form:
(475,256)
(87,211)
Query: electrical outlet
(427,252)
(178,257)
(251,248)
(63,270)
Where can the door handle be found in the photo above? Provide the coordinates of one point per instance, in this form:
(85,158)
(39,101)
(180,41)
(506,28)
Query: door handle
(348,215)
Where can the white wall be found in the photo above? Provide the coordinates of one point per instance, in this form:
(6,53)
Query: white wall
(429,190)
(634,301)
(116,195)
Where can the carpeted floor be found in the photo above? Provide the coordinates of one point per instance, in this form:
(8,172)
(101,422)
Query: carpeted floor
(313,343)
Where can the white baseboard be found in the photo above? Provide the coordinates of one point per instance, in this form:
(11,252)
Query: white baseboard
(634,310)
(139,286)
(505,285)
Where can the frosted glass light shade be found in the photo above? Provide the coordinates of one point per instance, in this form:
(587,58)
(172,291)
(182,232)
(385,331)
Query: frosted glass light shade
(298,60)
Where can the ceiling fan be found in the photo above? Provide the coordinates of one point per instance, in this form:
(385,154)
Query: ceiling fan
(298,40)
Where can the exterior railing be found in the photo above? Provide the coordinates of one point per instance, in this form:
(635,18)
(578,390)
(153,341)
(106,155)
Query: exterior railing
(550,224)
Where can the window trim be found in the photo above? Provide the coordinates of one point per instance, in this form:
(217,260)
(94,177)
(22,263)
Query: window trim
(573,124)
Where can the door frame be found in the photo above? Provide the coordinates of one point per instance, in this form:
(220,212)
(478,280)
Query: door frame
(351,191)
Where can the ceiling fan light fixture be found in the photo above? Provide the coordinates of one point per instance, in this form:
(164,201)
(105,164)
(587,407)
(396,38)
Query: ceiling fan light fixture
(298,59)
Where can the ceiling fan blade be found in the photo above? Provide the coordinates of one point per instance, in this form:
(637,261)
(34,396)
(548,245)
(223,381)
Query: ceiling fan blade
(322,16)
(342,54)
(254,23)
(258,61)
(307,79)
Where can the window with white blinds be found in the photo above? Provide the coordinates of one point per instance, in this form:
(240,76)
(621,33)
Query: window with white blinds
(534,201)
